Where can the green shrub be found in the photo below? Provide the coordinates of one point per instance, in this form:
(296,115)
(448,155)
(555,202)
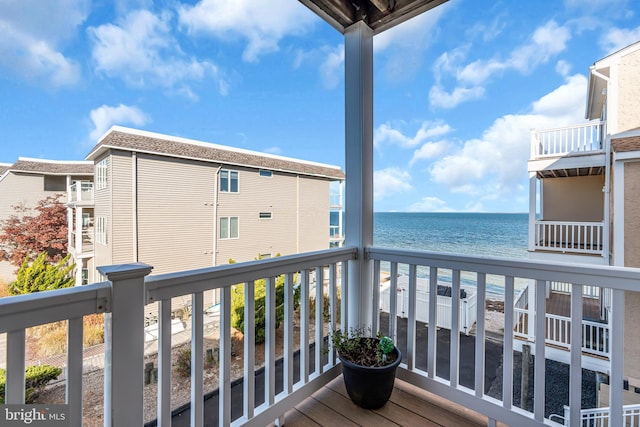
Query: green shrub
(326,307)
(36,377)
(237,305)
(40,275)
(183,362)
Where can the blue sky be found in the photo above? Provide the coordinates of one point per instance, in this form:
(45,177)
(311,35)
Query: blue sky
(456,90)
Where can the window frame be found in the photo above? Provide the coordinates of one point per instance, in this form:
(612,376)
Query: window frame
(229,179)
(102,174)
(263,215)
(101,230)
(229,235)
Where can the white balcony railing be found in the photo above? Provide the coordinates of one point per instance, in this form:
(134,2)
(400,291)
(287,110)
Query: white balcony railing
(125,296)
(565,288)
(80,191)
(556,142)
(86,244)
(566,236)
(599,417)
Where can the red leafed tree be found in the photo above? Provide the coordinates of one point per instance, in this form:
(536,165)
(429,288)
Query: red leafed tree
(27,233)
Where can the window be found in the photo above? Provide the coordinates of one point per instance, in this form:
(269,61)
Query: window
(85,276)
(266,173)
(229,227)
(101,230)
(229,181)
(55,183)
(102,174)
(265,215)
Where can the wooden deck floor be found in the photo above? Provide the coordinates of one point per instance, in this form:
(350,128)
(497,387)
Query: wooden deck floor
(560,304)
(409,406)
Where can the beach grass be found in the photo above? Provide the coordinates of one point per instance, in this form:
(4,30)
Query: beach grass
(4,289)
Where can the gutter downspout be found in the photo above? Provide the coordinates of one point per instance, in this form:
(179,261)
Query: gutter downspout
(134,192)
(216,293)
(215,218)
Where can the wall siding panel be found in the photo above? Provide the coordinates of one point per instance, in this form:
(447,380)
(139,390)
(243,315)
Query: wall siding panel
(287,232)
(175,213)
(102,207)
(121,222)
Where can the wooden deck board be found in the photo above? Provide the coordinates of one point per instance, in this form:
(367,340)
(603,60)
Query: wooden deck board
(409,406)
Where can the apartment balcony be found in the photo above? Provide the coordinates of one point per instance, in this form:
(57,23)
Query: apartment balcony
(568,151)
(479,372)
(84,245)
(567,237)
(596,331)
(80,194)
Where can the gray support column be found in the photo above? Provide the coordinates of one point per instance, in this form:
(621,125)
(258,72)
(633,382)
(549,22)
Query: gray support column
(359,167)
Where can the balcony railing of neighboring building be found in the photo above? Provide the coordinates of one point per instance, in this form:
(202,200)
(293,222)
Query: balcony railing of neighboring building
(595,335)
(335,200)
(87,241)
(583,138)
(128,291)
(570,237)
(81,192)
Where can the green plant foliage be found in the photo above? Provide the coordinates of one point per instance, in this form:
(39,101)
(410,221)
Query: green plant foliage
(361,349)
(183,362)
(36,377)
(260,292)
(42,276)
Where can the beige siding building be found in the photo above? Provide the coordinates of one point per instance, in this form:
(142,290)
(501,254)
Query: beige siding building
(181,204)
(585,196)
(28,181)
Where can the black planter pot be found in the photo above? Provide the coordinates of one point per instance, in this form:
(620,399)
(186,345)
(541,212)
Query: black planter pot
(370,387)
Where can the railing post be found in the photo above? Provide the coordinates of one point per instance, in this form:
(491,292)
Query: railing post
(124,345)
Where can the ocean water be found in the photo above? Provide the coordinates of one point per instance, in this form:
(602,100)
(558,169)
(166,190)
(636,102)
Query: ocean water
(490,234)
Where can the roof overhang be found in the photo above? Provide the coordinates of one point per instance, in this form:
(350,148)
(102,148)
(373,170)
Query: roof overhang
(379,15)
(597,93)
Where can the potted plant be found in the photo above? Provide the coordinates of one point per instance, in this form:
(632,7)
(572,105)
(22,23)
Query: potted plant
(368,366)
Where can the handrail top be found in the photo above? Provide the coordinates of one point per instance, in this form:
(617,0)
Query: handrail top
(167,285)
(23,311)
(551,221)
(575,126)
(623,278)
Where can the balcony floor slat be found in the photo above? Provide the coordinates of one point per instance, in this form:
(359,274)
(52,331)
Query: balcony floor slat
(409,405)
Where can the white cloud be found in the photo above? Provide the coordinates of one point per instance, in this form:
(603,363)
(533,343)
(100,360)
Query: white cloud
(495,164)
(106,116)
(385,133)
(438,97)
(546,42)
(390,181)
(141,50)
(617,38)
(430,204)
(429,150)
(332,68)
(262,23)
(401,49)
(416,33)
(32,32)
(273,150)
(563,68)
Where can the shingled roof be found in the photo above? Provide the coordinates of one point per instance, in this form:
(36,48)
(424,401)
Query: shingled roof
(165,145)
(50,167)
